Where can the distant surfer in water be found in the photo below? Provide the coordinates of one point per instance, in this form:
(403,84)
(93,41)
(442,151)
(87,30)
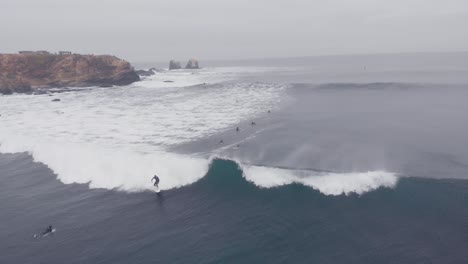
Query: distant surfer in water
(156,180)
(49,230)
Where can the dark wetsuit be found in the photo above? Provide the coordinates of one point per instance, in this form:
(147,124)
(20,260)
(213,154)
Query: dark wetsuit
(47,231)
(156,180)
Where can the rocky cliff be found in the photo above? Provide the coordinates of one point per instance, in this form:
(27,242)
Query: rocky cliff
(27,72)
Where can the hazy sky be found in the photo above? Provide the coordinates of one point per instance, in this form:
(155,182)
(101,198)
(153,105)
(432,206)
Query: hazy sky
(157,30)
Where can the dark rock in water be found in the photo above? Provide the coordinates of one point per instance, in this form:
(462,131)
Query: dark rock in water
(13,84)
(192,64)
(5,90)
(23,88)
(120,79)
(41,91)
(56,100)
(174,65)
(146,73)
(168,81)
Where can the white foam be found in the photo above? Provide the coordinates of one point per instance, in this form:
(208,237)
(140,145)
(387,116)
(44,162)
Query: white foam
(131,171)
(326,183)
(98,167)
(143,117)
(117,138)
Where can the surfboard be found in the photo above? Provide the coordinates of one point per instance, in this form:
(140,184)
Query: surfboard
(156,189)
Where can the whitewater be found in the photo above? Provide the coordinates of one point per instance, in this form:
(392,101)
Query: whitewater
(118,138)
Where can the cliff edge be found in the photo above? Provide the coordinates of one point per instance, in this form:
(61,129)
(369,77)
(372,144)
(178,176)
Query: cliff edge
(27,72)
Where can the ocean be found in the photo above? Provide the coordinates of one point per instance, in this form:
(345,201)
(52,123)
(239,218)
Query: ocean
(334,159)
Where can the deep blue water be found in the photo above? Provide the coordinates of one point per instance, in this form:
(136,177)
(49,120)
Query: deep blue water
(224,219)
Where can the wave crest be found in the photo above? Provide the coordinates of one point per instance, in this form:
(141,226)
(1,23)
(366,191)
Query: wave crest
(131,171)
(119,169)
(326,183)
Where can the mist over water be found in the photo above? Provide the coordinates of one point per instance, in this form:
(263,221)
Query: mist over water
(349,127)
(341,149)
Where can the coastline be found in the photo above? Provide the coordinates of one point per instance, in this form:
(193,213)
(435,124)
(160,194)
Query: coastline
(30,72)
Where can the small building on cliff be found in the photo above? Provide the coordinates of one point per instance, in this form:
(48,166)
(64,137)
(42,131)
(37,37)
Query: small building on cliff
(40,52)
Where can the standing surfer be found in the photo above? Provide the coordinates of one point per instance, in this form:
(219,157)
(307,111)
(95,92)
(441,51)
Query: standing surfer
(156,180)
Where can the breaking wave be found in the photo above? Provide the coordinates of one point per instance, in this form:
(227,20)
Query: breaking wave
(326,183)
(131,171)
(118,138)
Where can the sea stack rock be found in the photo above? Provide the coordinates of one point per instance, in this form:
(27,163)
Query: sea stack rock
(29,71)
(174,65)
(192,64)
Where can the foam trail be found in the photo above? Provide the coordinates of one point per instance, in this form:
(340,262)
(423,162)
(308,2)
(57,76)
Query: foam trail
(326,183)
(109,168)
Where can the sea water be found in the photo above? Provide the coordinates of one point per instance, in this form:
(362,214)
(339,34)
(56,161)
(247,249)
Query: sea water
(353,159)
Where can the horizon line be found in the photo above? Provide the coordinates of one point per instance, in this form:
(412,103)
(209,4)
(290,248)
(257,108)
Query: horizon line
(318,56)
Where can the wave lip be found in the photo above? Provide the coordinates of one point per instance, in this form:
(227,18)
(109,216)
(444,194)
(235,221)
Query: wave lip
(131,171)
(326,183)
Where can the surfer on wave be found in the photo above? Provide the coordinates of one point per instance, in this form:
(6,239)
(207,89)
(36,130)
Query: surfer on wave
(156,180)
